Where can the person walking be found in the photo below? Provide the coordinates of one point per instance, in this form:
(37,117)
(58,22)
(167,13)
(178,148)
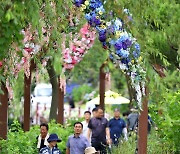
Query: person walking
(42,138)
(52,147)
(99,128)
(117,127)
(77,143)
(87,117)
(132,120)
(94,112)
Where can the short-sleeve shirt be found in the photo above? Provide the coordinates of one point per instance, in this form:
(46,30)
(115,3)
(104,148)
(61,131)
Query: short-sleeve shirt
(98,127)
(116,127)
(77,145)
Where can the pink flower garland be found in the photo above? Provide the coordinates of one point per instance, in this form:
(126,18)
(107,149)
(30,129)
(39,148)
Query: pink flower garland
(30,49)
(78,47)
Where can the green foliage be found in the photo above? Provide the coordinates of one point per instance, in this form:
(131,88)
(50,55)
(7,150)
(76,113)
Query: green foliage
(118,81)
(20,142)
(155,145)
(126,147)
(155,24)
(166,116)
(79,93)
(14,17)
(15,108)
(164,106)
(88,69)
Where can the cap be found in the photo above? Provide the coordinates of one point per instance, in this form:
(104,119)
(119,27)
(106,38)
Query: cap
(90,150)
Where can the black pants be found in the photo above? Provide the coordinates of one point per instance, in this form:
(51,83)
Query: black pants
(99,146)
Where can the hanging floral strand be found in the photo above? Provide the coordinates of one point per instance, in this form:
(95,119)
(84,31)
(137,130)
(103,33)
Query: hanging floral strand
(78,46)
(123,47)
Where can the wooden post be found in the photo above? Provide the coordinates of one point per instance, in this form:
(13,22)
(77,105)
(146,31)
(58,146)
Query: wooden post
(27,98)
(3,112)
(102,77)
(60,116)
(79,111)
(143,127)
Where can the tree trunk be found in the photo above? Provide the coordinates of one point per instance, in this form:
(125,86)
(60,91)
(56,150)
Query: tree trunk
(54,83)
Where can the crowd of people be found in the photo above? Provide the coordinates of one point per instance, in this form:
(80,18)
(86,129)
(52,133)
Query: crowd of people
(91,136)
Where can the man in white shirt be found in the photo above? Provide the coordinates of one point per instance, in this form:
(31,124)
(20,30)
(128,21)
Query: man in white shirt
(87,117)
(42,138)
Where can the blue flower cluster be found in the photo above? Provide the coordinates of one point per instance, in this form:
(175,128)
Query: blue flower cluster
(111,33)
(79,2)
(124,50)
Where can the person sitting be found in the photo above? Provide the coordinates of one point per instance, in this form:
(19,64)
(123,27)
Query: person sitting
(52,147)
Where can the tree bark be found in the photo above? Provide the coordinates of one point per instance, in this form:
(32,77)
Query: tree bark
(3,112)
(54,83)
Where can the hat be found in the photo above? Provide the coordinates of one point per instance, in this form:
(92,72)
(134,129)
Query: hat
(134,109)
(53,137)
(90,150)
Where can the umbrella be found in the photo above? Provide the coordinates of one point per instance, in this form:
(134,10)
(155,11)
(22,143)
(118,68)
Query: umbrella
(110,98)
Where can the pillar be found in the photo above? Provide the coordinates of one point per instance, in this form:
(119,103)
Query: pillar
(60,116)
(102,77)
(143,128)
(3,112)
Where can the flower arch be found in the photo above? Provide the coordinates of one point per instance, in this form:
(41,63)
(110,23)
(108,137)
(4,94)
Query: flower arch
(123,48)
(72,54)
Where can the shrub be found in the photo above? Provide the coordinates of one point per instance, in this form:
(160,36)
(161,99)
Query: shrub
(155,145)
(20,142)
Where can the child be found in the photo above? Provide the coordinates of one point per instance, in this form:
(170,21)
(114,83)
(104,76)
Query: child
(52,147)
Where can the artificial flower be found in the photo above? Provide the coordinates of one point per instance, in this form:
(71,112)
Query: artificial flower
(86,3)
(1,64)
